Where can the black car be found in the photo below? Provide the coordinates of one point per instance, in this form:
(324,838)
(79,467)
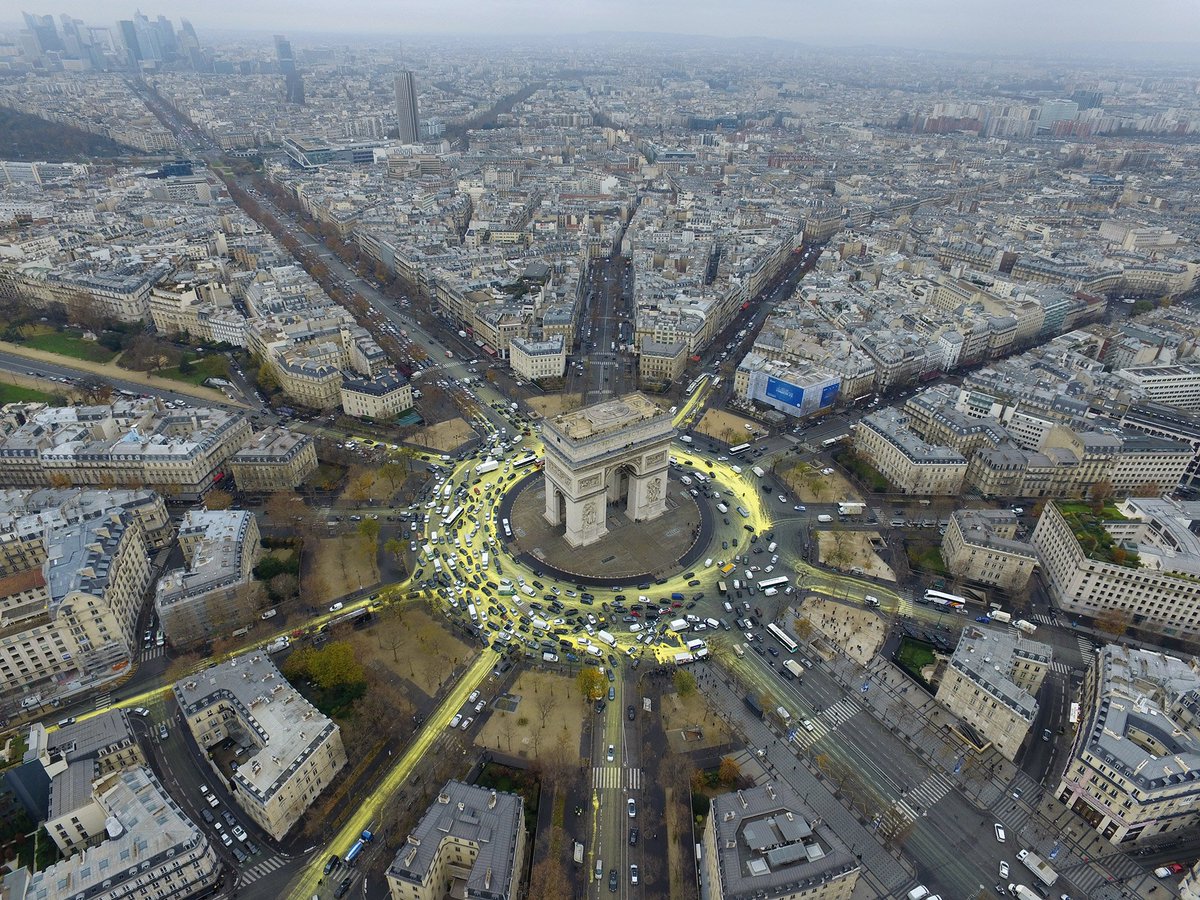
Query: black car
(343,888)
(630,712)
(633,836)
(694,582)
(772,651)
(612,880)
(600,704)
(207,816)
(333,862)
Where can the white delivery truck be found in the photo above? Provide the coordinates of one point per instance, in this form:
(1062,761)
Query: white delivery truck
(824,518)
(488,465)
(794,667)
(998,615)
(757,470)
(1023,625)
(678,625)
(607,638)
(1039,867)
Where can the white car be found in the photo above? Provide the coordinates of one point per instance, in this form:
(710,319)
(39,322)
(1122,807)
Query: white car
(1003,869)
(611,753)
(999,832)
(468,722)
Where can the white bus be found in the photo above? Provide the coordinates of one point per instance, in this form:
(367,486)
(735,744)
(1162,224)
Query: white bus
(524,461)
(452,518)
(740,448)
(779,582)
(780,635)
(940,598)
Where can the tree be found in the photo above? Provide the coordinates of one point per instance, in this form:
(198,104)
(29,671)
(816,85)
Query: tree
(360,485)
(545,705)
(729,772)
(283,586)
(685,683)
(1149,489)
(1114,622)
(1102,492)
(391,633)
(393,471)
(334,665)
(591,684)
(369,529)
(803,628)
(218,499)
(395,547)
(549,878)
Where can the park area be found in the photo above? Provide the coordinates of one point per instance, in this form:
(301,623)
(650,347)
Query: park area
(540,717)
(809,484)
(689,722)
(728,427)
(412,648)
(67,343)
(854,551)
(859,632)
(443,437)
(339,566)
(551,405)
(917,658)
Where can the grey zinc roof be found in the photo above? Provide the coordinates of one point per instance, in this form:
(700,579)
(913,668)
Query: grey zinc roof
(986,657)
(487,819)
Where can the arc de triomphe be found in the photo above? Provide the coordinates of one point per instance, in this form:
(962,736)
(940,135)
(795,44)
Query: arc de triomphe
(601,454)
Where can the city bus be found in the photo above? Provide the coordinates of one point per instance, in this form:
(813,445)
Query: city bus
(449,521)
(780,635)
(940,598)
(740,448)
(779,582)
(527,460)
(829,442)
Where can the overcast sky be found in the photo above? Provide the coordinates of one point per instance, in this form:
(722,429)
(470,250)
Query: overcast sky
(938,23)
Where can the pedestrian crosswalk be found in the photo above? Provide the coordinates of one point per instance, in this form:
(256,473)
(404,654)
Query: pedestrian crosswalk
(905,606)
(1060,667)
(149,653)
(842,711)
(616,777)
(1043,619)
(1086,650)
(917,802)
(103,701)
(264,868)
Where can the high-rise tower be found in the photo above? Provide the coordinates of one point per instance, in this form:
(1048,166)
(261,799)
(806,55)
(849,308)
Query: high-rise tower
(407,117)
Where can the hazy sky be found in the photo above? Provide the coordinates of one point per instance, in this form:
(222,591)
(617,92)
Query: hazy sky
(940,23)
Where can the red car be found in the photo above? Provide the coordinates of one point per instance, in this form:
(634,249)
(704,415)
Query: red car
(635,614)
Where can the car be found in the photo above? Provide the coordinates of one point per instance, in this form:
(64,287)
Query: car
(207,816)
(631,805)
(630,713)
(633,835)
(1003,869)
(343,888)
(1000,836)
(612,752)
(239,855)
(612,693)
(141,711)
(335,607)
(772,651)
(1046,736)
(226,839)
(162,731)
(239,832)
(456,720)
(612,880)
(633,873)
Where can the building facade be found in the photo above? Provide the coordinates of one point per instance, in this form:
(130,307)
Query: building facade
(292,752)
(383,397)
(1134,769)
(537,360)
(470,843)
(990,683)
(274,459)
(910,464)
(980,545)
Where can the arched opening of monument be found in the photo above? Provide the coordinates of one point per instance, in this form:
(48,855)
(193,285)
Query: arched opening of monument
(618,486)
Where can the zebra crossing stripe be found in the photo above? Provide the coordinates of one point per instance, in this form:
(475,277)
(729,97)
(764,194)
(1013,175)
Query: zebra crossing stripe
(906,811)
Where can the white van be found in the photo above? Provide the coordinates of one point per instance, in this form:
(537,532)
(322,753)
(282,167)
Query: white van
(708,563)
(771,547)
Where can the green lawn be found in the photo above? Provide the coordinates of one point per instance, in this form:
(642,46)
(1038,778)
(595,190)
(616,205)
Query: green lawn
(11,393)
(69,345)
(925,556)
(204,367)
(913,656)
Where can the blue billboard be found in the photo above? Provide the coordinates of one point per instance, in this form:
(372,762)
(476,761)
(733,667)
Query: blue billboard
(784,392)
(829,394)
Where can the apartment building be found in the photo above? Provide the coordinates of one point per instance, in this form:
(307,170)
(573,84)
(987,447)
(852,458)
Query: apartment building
(1141,559)
(795,388)
(1168,422)
(274,459)
(291,750)
(535,360)
(980,545)
(139,821)
(58,786)
(470,843)
(991,682)
(764,843)
(910,464)
(179,452)
(207,597)
(661,364)
(383,397)
(1134,767)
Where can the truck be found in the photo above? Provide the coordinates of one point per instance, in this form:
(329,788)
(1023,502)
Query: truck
(1023,893)
(1025,626)
(687,439)
(794,667)
(1039,867)
(999,615)
(678,625)
(540,623)
(682,659)
(851,509)
(824,518)
(577,854)
(488,465)
(607,638)
(753,705)
(723,588)
(758,470)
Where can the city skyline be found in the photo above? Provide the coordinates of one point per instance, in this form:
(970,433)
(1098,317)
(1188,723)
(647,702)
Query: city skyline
(933,24)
